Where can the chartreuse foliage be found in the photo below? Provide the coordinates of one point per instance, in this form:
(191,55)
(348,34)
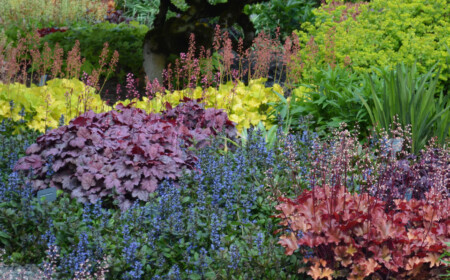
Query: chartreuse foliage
(379,33)
(43,106)
(245,105)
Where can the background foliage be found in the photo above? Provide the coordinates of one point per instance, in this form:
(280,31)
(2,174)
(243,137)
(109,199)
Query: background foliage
(379,33)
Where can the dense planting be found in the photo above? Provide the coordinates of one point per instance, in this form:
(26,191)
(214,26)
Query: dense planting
(245,105)
(326,157)
(216,221)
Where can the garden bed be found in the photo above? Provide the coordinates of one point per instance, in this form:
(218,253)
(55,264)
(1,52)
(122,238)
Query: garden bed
(328,159)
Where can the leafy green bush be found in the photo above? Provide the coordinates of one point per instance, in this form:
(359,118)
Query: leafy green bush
(144,11)
(127,39)
(379,33)
(288,15)
(329,99)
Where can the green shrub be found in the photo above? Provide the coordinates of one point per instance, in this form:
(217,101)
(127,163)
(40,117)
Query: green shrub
(380,33)
(144,11)
(288,15)
(329,99)
(127,39)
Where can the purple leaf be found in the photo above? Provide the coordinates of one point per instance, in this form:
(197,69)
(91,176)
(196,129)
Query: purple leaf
(34,148)
(150,185)
(142,195)
(33,161)
(87,180)
(77,142)
(80,121)
(111,181)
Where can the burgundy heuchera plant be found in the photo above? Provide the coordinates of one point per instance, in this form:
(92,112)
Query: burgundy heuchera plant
(124,153)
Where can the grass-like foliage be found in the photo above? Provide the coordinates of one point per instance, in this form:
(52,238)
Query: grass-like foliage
(413,101)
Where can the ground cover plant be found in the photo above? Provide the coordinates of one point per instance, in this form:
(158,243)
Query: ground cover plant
(136,151)
(65,99)
(287,160)
(214,220)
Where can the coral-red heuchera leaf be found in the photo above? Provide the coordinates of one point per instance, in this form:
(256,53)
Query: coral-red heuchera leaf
(289,242)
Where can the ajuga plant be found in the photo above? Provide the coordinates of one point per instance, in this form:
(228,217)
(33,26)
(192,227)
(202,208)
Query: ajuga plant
(214,223)
(123,153)
(370,211)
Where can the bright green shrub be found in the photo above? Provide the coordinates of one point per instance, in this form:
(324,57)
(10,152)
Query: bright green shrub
(45,105)
(380,33)
(244,105)
(127,39)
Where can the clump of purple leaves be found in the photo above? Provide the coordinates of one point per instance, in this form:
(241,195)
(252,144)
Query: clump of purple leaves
(123,153)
